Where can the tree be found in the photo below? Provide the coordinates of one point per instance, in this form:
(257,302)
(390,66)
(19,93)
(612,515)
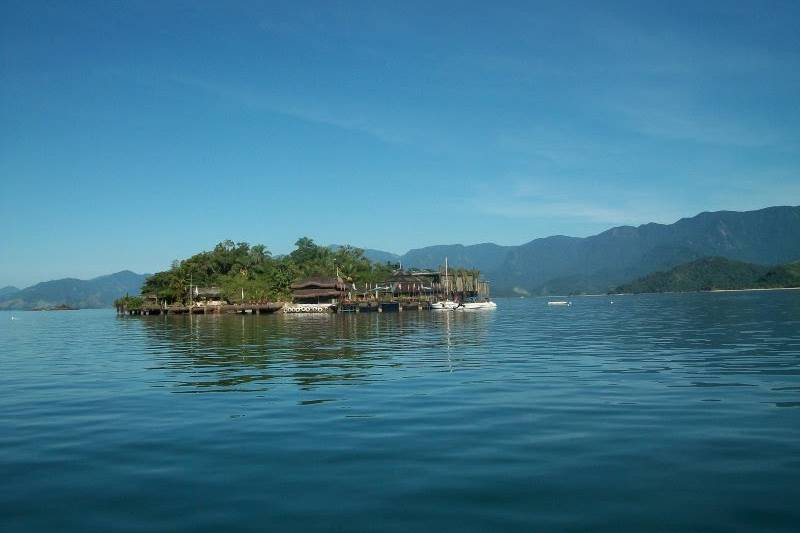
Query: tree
(236,266)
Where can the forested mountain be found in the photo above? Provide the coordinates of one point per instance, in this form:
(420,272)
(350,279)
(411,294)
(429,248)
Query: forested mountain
(716,273)
(559,264)
(551,265)
(6,292)
(487,257)
(97,292)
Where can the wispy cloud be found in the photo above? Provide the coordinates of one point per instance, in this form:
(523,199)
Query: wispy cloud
(665,116)
(260,99)
(531,198)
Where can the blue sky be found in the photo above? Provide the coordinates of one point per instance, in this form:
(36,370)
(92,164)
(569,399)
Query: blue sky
(134,133)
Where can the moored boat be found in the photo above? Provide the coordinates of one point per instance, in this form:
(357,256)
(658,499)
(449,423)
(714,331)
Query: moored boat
(475,306)
(447,304)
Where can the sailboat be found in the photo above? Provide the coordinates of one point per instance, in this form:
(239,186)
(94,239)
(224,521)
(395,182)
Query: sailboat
(446,304)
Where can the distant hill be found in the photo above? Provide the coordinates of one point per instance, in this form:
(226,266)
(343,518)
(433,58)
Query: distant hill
(551,265)
(487,257)
(560,264)
(377,256)
(97,292)
(716,273)
(7,291)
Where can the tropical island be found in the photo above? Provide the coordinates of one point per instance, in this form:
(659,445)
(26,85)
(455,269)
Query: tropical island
(241,275)
(716,274)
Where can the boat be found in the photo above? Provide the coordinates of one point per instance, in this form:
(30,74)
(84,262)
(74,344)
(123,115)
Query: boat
(475,306)
(559,302)
(447,304)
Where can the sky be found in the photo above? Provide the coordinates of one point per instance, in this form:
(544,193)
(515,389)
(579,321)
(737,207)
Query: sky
(135,133)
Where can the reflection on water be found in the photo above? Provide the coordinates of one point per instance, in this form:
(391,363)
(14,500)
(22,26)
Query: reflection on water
(217,353)
(654,413)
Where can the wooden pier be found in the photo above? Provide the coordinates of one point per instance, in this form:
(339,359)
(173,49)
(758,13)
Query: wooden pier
(382,307)
(242,309)
(272,307)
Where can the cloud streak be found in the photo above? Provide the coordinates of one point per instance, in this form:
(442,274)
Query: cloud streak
(536,199)
(273,102)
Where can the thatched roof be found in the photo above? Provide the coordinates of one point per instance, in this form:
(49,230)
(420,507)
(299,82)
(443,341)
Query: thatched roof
(316,293)
(411,279)
(320,282)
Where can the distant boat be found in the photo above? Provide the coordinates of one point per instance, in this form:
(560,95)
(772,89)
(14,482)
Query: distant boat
(559,302)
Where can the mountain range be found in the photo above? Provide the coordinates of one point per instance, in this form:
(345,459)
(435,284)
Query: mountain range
(560,264)
(550,265)
(92,293)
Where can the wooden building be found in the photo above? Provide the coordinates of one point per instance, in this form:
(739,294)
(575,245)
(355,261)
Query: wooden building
(423,285)
(206,296)
(319,290)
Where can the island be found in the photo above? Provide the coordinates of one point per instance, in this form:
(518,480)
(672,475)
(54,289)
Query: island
(716,274)
(240,278)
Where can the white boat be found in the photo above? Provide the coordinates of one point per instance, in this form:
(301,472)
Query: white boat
(475,306)
(308,308)
(559,302)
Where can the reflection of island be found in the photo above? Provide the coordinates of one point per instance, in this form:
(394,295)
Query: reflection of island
(230,352)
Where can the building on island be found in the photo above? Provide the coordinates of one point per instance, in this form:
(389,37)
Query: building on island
(206,296)
(319,290)
(422,285)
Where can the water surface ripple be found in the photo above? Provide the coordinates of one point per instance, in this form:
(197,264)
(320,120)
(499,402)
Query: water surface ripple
(654,413)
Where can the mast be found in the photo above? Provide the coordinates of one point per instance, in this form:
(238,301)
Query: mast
(446,281)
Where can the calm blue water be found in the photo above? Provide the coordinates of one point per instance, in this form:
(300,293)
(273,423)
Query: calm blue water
(656,413)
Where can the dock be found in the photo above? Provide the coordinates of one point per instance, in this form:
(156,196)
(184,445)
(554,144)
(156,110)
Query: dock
(228,309)
(382,307)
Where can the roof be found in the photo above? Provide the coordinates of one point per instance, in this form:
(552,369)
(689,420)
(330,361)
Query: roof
(409,278)
(320,282)
(316,293)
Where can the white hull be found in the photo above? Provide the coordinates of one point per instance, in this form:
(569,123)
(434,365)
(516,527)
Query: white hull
(308,308)
(475,306)
(444,305)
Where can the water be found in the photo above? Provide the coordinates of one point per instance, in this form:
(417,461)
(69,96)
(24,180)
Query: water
(656,413)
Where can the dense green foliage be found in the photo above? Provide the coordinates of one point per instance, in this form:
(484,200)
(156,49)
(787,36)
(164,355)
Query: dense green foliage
(716,273)
(129,302)
(240,267)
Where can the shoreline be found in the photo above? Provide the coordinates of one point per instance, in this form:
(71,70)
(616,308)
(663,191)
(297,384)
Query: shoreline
(704,292)
(750,290)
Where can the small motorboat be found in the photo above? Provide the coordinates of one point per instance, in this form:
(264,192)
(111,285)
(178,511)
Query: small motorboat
(476,305)
(559,302)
